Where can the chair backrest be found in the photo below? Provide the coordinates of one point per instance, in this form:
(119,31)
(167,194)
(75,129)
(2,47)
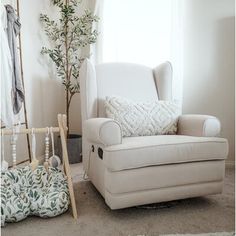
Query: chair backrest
(136,82)
(132,81)
(125,80)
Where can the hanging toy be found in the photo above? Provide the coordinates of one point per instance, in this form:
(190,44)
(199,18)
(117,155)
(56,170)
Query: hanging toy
(4,164)
(34,163)
(46,163)
(13,147)
(54,160)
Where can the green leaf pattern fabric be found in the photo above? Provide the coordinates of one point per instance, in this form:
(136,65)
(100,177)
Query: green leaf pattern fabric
(25,192)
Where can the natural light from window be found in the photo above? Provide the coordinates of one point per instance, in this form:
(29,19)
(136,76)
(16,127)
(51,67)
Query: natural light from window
(137,31)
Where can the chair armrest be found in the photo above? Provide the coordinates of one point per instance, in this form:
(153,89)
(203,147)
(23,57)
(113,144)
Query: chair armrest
(103,131)
(199,125)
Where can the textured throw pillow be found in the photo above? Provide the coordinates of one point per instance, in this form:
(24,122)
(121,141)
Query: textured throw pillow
(143,118)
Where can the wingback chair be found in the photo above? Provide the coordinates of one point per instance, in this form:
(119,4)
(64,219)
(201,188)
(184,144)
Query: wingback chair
(131,171)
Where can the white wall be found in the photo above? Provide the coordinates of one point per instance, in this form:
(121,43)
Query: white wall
(45,96)
(44,93)
(208,66)
(209,62)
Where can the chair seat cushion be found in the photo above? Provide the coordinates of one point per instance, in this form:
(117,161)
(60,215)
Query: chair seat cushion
(136,152)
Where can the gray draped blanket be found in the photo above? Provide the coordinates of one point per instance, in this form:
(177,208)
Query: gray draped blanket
(13,30)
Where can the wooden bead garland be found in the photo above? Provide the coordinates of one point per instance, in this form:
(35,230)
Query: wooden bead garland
(46,164)
(13,148)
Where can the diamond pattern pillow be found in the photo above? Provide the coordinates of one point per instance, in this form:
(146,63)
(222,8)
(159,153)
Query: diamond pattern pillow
(143,118)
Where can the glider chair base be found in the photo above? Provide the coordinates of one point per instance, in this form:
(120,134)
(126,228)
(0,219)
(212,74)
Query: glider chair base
(118,201)
(154,184)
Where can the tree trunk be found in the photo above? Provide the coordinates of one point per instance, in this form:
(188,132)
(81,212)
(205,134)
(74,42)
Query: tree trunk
(67,77)
(67,113)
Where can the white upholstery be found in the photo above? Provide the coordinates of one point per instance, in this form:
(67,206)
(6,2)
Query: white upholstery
(117,201)
(129,77)
(99,131)
(163,78)
(199,125)
(167,176)
(141,170)
(88,92)
(143,118)
(135,152)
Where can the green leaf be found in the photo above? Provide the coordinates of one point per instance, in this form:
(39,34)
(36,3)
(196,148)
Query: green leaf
(68,35)
(9,209)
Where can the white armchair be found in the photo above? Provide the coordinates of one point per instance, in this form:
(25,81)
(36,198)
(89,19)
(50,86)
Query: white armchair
(130,171)
(199,125)
(99,131)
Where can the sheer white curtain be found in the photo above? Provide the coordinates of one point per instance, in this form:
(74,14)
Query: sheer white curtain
(145,32)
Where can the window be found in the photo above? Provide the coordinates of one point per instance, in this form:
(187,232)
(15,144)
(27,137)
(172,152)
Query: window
(137,31)
(144,32)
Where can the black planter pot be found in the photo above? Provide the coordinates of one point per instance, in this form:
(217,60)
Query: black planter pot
(74,148)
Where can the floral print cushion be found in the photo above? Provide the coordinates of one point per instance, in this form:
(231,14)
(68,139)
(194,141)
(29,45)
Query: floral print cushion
(25,192)
(15,204)
(49,195)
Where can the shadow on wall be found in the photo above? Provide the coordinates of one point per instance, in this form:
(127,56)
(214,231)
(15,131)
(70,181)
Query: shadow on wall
(225,69)
(209,63)
(75,115)
(47,101)
(219,70)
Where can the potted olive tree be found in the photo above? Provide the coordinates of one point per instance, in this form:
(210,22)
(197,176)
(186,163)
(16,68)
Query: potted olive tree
(69,34)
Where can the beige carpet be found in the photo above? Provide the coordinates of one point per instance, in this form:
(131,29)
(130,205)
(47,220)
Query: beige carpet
(192,216)
(209,234)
